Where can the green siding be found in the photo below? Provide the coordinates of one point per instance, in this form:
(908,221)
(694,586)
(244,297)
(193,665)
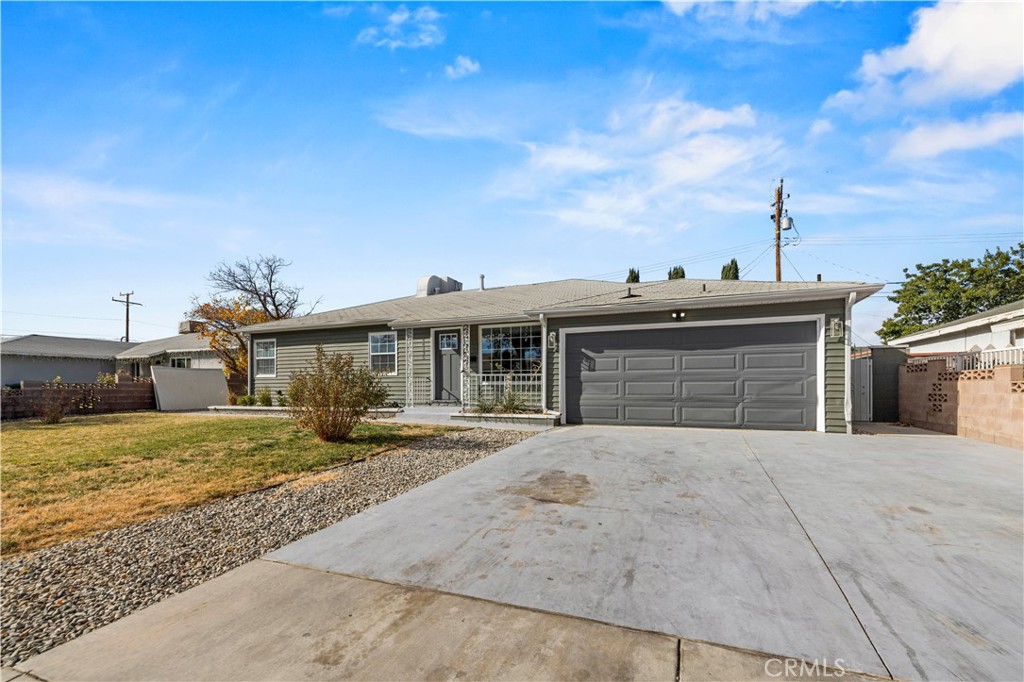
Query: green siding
(835,368)
(295,350)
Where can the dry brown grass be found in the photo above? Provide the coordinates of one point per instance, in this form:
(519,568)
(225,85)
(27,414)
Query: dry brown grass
(90,474)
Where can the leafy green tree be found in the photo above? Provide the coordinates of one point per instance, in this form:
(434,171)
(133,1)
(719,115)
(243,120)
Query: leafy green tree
(949,290)
(633,277)
(731,270)
(677,272)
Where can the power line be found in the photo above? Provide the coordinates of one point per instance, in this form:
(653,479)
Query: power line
(78,317)
(56,333)
(786,256)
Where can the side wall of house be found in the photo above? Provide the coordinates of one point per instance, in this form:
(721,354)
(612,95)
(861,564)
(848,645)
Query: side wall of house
(835,363)
(295,349)
(18,368)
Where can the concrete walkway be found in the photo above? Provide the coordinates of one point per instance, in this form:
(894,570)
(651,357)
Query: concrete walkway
(608,553)
(271,621)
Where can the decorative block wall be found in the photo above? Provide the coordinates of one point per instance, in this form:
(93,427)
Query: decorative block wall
(984,404)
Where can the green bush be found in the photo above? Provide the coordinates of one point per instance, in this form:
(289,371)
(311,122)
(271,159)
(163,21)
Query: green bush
(332,395)
(282,399)
(263,397)
(246,400)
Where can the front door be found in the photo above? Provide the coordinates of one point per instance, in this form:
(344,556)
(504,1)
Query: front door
(448,366)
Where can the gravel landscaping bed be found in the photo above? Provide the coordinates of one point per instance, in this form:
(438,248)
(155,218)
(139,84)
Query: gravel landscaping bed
(56,594)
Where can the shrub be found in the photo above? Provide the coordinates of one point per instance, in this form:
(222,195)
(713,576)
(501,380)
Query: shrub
(512,402)
(486,405)
(282,399)
(331,396)
(246,400)
(263,397)
(232,398)
(106,380)
(57,400)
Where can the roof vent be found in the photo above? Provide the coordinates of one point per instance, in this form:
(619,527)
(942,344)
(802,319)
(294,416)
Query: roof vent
(630,294)
(432,285)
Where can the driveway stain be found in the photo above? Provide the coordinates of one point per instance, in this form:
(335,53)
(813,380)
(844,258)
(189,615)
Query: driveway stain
(554,487)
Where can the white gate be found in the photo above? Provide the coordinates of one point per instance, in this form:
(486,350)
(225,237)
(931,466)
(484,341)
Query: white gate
(860,388)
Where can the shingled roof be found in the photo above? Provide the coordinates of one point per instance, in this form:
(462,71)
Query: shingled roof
(528,301)
(40,346)
(179,343)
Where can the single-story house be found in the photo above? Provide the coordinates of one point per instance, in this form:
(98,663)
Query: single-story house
(996,329)
(37,357)
(184,351)
(713,353)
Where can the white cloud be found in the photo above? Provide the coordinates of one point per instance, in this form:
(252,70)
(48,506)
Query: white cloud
(744,11)
(652,164)
(931,140)
(820,128)
(463,66)
(61,192)
(955,50)
(405,28)
(339,11)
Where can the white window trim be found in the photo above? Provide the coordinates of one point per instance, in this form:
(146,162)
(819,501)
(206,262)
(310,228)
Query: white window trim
(782,319)
(370,353)
(255,360)
(480,345)
(186,359)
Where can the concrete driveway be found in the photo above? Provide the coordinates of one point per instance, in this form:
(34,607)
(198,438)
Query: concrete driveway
(892,555)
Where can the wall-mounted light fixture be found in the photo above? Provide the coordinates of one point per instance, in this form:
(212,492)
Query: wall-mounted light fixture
(678,315)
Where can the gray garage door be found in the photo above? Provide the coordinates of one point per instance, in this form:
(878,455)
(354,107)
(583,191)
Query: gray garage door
(744,376)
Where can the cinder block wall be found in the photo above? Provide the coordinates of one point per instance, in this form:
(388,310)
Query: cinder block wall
(984,404)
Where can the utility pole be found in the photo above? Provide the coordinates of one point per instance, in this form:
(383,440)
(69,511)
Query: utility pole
(779,199)
(128,303)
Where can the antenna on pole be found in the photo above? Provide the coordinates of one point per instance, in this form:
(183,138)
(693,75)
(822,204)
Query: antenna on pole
(128,303)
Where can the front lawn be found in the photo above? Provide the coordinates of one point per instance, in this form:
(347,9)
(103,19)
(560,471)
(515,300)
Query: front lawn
(64,481)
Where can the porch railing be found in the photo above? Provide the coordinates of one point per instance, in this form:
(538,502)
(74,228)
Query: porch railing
(422,391)
(486,391)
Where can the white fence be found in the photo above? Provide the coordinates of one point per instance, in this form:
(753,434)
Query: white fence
(422,391)
(987,359)
(979,359)
(489,389)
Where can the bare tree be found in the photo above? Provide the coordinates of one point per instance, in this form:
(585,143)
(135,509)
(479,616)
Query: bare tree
(257,282)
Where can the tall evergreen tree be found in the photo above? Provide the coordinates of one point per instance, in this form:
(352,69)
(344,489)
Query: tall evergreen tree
(633,277)
(677,272)
(731,270)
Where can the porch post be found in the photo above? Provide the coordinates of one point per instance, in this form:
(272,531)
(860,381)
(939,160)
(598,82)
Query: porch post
(410,398)
(466,371)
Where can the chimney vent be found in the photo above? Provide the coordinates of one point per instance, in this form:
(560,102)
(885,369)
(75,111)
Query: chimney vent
(482,282)
(188,327)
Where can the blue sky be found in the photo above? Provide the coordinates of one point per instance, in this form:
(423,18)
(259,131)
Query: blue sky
(370,144)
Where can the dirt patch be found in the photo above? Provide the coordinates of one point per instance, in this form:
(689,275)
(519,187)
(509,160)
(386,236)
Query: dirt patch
(554,487)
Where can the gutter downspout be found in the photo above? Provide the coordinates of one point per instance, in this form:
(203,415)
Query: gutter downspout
(543,362)
(847,340)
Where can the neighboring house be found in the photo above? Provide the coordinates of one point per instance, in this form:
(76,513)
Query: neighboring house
(997,329)
(714,353)
(41,358)
(184,351)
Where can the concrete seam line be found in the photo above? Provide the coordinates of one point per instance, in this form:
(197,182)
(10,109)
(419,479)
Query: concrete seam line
(820,556)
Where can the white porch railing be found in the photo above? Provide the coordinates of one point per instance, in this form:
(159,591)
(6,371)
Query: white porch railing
(986,359)
(487,391)
(422,391)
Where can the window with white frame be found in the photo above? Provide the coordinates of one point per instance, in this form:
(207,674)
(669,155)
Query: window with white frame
(515,349)
(265,353)
(181,363)
(384,352)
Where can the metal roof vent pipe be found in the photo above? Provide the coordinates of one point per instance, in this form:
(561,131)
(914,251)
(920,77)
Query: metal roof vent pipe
(482,287)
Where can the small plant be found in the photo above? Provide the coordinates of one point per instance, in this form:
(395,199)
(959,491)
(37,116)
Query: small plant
(57,400)
(263,397)
(282,399)
(332,395)
(232,398)
(486,405)
(106,380)
(512,402)
(246,400)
